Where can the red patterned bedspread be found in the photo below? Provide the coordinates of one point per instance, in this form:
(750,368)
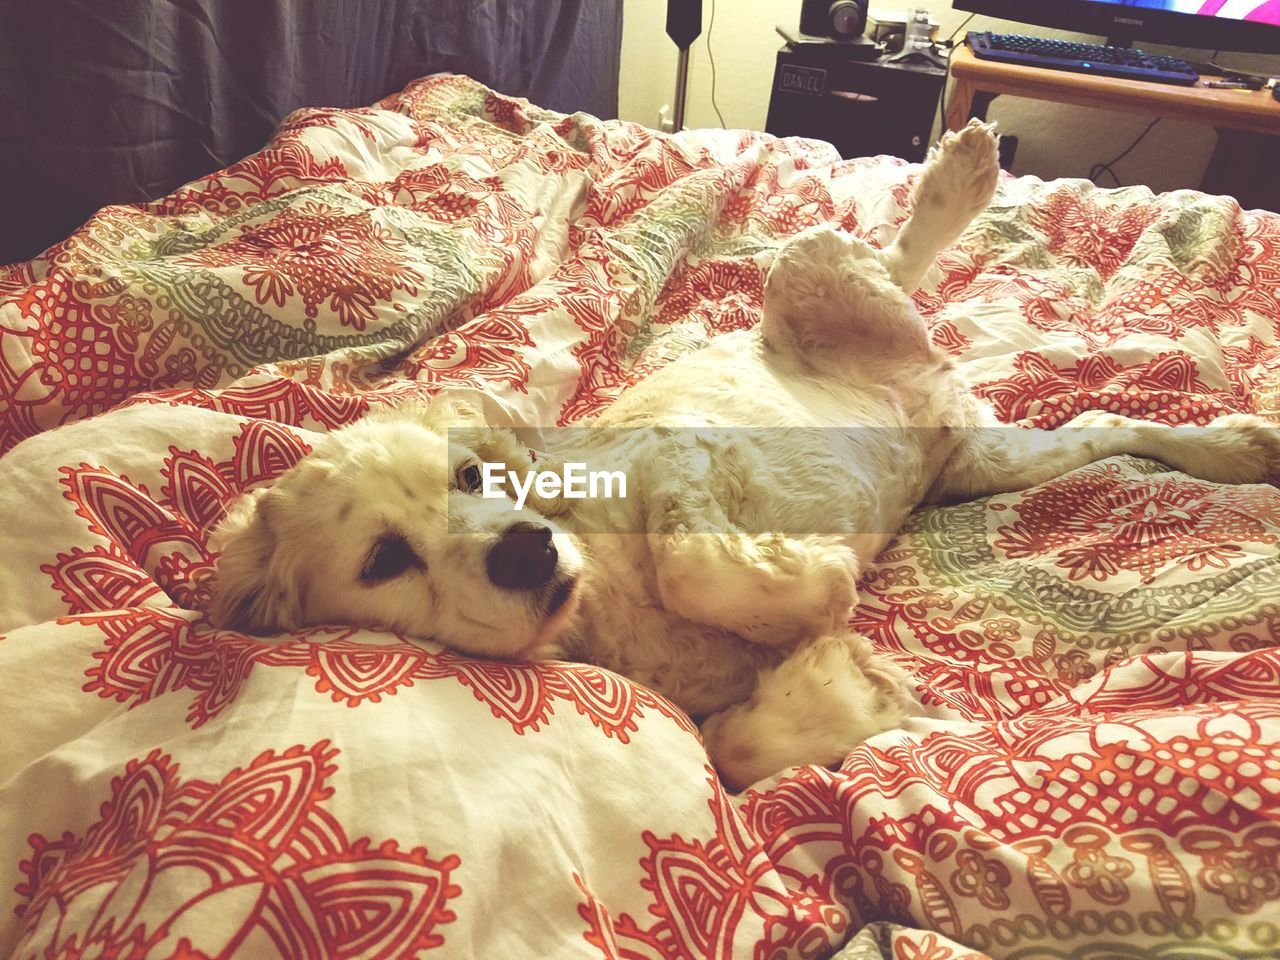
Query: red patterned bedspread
(1096,771)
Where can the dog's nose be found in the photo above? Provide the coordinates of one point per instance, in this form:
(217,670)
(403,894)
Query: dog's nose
(524,558)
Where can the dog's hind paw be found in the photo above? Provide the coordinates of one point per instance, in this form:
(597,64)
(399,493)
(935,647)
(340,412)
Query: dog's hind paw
(961,174)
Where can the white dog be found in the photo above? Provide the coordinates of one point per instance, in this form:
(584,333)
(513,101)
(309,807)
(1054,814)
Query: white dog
(383,525)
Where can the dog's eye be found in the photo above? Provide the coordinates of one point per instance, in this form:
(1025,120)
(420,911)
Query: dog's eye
(469,478)
(390,557)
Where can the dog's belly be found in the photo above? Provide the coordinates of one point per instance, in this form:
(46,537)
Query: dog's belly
(829,457)
(782,453)
(812,491)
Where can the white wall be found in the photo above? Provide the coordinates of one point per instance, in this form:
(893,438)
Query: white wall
(1055,140)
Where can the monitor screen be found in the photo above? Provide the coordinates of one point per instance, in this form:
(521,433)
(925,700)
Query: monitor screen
(1259,11)
(1252,25)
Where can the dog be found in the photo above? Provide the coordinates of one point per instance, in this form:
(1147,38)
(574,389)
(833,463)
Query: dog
(766,472)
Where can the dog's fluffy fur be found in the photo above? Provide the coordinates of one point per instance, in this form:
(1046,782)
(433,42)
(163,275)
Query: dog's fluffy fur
(746,630)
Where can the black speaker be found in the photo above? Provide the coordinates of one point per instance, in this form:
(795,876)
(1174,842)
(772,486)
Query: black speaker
(684,21)
(837,19)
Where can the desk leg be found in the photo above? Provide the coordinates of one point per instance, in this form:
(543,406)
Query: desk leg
(967,101)
(1243,166)
(960,104)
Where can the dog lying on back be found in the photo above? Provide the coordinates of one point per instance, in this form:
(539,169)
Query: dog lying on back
(743,626)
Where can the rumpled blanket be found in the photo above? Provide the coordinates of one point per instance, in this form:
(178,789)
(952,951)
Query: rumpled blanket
(1096,766)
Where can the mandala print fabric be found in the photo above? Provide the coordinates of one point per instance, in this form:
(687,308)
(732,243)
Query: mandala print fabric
(1096,768)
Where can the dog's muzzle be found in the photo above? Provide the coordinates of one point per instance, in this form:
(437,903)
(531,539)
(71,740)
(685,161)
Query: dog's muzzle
(524,559)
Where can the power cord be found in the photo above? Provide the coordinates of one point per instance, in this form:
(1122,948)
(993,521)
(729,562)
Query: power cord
(1256,81)
(711,58)
(954,33)
(1098,169)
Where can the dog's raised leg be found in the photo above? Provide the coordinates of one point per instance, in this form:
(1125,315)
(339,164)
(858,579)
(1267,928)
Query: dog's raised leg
(958,181)
(1238,448)
(831,300)
(828,696)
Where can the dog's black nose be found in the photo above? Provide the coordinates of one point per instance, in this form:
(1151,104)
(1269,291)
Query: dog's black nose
(524,558)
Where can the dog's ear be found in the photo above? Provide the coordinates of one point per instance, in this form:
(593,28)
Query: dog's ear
(254,587)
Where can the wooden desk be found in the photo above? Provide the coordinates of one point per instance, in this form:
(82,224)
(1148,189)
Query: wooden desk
(1253,110)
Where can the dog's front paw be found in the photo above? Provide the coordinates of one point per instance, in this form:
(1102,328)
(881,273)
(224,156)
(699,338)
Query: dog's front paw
(771,590)
(828,591)
(817,599)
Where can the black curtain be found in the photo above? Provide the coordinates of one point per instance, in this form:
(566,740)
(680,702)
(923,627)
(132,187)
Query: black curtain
(117,101)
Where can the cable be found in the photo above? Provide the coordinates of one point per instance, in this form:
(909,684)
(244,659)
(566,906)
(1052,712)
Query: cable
(1231,73)
(959,28)
(711,58)
(1098,169)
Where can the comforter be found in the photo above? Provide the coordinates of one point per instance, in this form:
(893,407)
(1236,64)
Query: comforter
(1095,770)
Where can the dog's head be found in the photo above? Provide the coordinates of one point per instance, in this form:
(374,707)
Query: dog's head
(383,525)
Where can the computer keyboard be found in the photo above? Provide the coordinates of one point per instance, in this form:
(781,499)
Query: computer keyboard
(1080,57)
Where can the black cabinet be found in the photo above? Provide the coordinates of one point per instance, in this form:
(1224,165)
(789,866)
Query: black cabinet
(863,107)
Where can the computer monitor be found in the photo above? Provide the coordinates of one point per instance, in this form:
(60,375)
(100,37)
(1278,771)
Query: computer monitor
(1243,25)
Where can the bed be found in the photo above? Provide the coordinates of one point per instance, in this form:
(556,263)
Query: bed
(1095,772)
